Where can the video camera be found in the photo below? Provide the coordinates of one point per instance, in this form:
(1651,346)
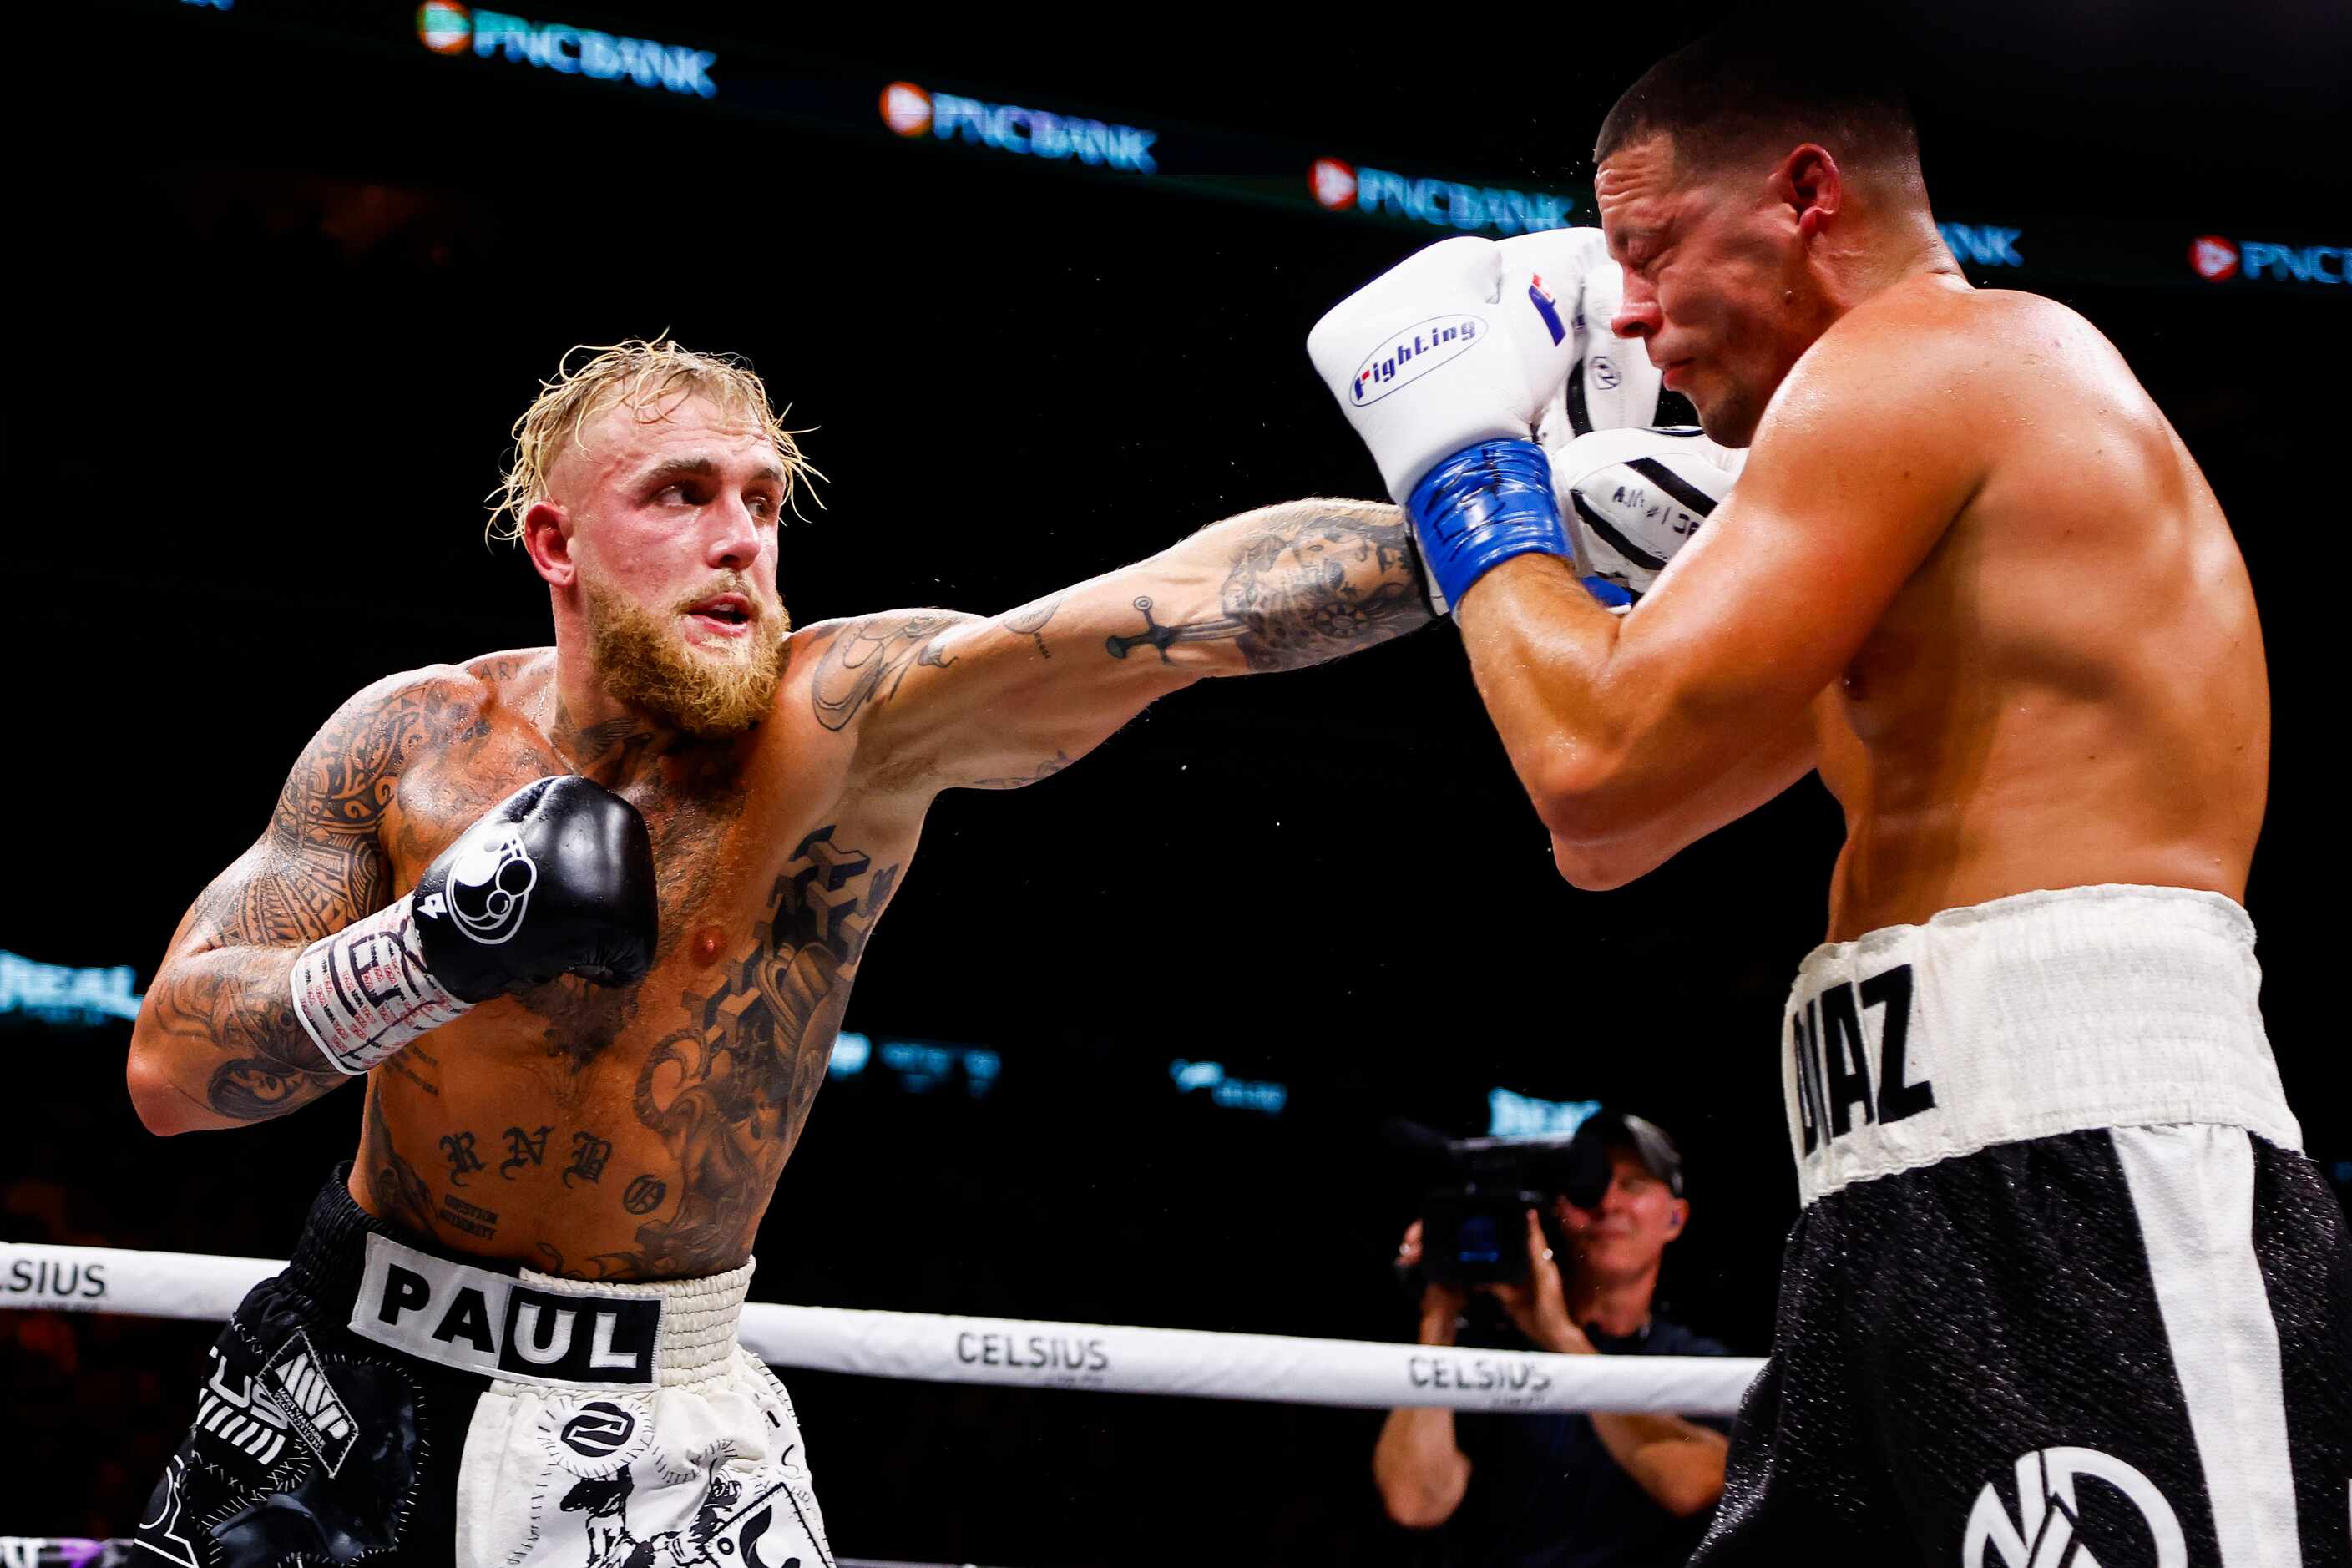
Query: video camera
(1473,1218)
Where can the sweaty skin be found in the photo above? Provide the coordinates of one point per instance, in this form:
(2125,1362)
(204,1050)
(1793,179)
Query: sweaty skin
(2070,689)
(638,1133)
(1970,573)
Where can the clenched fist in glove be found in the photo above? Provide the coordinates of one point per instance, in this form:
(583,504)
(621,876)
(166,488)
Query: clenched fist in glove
(1639,496)
(1447,365)
(557,879)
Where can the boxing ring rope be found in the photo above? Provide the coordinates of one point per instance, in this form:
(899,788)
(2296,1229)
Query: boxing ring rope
(928,1347)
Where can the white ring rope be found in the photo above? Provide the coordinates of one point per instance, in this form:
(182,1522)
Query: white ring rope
(934,1348)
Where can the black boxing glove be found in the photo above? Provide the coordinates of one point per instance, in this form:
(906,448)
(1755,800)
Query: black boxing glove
(556,878)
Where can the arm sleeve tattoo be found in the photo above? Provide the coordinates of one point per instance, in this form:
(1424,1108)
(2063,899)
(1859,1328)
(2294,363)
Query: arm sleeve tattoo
(220,1010)
(941,700)
(1306,582)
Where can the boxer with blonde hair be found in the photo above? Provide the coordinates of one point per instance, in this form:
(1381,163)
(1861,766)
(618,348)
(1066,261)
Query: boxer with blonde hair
(586,917)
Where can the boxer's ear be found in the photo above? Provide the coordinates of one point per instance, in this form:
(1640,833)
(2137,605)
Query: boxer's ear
(1809,184)
(547,539)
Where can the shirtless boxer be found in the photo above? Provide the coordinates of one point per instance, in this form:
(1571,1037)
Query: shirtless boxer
(2063,1285)
(586,918)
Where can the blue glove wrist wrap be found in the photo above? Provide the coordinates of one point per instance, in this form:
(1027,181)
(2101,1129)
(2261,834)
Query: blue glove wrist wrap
(1482,506)
(1607,594)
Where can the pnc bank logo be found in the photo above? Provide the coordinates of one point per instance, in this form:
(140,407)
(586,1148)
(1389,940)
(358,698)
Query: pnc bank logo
(906,108)
(1333,183)
(912,111)
(1339,187)
(444,27)
(448,28)
(2216,260)
(2214,257)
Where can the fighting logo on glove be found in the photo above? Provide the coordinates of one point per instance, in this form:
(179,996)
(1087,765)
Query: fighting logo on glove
(1491,458)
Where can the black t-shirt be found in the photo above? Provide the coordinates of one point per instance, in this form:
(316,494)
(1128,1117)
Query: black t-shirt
(1545,1494)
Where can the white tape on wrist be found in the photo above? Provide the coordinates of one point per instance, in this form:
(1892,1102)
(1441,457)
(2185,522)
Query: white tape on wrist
(364,992)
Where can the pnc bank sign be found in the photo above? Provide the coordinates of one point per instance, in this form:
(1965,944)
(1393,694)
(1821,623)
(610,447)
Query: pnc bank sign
(448,29)
(915,113)
(1341,186)
(2216,260)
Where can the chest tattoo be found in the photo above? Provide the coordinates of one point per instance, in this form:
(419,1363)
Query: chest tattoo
(728,1093)
(688,822)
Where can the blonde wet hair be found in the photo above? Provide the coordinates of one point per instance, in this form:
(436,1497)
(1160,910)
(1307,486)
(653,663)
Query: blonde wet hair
(649,377)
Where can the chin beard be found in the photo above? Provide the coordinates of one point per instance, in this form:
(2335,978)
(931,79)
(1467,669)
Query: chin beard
(1730,420)
(643,660)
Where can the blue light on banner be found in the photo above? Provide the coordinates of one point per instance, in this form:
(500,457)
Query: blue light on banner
(2301,263)
(924,1065)
(913,111)
(2216,260)
(1982,244)
(1338,186)
(918,1067)
(446,27)
(850,1054)
(1510,1115)
(58,994)
(1232,1093)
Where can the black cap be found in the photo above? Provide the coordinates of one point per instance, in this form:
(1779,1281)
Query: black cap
(1607,1130)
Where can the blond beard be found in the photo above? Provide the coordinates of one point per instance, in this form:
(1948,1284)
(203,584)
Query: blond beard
(643,660)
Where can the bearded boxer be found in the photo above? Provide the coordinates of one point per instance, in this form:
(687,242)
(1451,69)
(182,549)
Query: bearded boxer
(2063,1280)
(586,917)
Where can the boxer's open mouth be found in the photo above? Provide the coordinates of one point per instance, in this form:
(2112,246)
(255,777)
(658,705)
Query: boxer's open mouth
(727,613)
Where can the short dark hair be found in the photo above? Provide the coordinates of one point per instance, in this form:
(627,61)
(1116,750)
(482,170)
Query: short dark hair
(1742,88)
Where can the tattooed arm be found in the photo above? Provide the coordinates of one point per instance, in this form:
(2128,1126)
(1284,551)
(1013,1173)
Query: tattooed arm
(939,699)
(217,1044)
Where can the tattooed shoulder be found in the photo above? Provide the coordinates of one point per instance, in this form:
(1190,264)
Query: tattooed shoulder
(863,661)
(321,865)
(510,664)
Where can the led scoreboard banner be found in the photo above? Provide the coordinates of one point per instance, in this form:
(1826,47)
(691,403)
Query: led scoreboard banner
(1047,134)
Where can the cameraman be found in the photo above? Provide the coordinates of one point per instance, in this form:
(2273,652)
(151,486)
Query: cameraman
(1555,1490)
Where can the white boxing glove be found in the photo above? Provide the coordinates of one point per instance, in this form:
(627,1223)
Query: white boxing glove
(1462,341)
(1639,495)
(1613,384)
(1442,365)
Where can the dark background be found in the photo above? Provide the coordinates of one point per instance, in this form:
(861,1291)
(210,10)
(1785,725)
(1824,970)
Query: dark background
(279,305)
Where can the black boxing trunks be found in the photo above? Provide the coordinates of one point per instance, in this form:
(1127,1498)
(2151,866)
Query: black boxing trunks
(2065,1290)
(384,1403)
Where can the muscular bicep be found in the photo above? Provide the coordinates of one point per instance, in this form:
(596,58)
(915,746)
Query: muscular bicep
(1784,756)
(319,864)
(945,700)
(937,698)
(216,1033)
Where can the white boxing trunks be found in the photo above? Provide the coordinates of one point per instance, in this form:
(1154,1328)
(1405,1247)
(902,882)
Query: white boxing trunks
(2064,1286)
(383,1400)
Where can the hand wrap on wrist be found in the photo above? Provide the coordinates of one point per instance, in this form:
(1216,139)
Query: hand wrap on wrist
(1482,506)
(364,992)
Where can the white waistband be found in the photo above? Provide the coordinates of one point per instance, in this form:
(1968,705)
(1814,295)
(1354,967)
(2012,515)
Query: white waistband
(2045,1013)
(538,1328)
